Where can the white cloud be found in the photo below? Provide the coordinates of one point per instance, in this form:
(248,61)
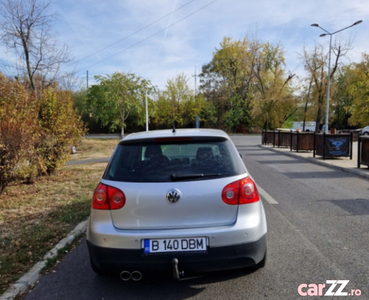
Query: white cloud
(172,46)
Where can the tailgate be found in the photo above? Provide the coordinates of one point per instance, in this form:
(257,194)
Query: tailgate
(173,205)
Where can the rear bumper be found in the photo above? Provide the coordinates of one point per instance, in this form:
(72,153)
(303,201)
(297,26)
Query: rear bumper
(215,259)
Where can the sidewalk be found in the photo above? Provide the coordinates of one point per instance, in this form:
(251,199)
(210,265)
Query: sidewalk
(341,163)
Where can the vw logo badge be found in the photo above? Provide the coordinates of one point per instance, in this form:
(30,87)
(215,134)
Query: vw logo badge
(173,196)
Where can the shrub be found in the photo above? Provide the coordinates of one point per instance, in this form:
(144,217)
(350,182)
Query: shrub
(60,127)
(35,133)
(18,117)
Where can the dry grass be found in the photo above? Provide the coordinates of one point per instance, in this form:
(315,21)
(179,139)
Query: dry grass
(94,148)
(33,218)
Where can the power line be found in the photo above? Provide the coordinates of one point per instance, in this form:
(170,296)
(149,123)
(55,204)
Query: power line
(150,36)
(137,31)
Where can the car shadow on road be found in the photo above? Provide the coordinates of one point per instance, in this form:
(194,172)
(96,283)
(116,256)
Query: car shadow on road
(162,286)
(73,278)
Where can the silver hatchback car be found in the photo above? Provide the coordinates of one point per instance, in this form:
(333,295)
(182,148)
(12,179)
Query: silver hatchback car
(179,201)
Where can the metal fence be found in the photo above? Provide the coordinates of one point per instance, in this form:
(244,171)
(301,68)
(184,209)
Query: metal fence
(363,151)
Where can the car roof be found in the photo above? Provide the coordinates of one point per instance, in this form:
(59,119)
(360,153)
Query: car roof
(178,133)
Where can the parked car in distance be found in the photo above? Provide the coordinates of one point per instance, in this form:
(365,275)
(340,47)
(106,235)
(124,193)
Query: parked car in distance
(309,126)
(180,201)
(365,130)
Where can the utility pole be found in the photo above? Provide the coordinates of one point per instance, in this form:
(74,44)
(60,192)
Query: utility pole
(87,78)
(329,65)
(195,80)
(147,112)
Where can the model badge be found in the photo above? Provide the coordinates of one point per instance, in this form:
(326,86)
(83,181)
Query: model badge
(173,196)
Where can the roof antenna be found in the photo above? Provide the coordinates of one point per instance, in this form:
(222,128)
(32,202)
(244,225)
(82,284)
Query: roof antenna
(174,126)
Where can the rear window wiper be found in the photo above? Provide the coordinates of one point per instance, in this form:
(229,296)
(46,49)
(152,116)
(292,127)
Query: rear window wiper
(179,177)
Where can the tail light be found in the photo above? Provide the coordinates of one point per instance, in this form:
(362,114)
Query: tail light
(243,191)
(107,197)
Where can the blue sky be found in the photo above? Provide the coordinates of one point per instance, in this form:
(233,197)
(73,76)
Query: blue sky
(144,37)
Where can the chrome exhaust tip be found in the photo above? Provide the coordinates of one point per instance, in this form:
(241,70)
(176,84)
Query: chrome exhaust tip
(125,275)
(136,275)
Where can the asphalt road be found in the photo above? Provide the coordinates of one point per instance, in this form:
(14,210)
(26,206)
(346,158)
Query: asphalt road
(317,231)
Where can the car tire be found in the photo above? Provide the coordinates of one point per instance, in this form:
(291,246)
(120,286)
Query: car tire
(366,133)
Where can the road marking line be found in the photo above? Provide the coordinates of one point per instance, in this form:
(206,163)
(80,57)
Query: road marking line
(265,195)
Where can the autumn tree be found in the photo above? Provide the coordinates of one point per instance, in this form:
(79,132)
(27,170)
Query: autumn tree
(227,79)
(247,81)
(35,135)
(177,103)
(177,92)
(59,127)
(116,96)
(305,112)
(18,118)
(26,29)
(274,102)
(315,62)
(164,111)
(342,97)
(358,90)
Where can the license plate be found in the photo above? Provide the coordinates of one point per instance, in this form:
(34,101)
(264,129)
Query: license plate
(197,244)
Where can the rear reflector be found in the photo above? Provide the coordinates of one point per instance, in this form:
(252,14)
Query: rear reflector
(243,191)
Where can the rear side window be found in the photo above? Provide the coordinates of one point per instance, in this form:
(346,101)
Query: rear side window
(174,161)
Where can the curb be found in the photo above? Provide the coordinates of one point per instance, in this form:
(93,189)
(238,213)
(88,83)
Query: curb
(319,162)
(31,277)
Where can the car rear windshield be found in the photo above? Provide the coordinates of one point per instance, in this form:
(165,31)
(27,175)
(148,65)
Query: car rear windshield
(165,160)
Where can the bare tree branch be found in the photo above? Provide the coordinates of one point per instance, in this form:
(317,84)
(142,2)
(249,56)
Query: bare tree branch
(26,28)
